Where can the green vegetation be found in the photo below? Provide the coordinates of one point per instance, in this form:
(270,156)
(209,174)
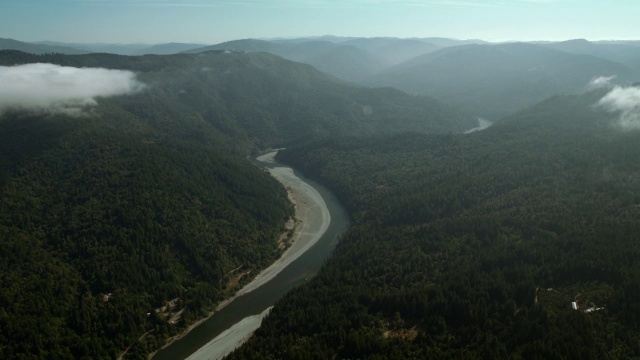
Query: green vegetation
(146,198)
(351,60)
(452,235)
(262,99)
(489,80)
(147,219)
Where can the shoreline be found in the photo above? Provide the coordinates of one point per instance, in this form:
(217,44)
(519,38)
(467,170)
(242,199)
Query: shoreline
(230,339)
(311,221)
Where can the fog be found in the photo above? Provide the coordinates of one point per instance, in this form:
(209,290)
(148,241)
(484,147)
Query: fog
(52,88)
(601,81)
(625,100)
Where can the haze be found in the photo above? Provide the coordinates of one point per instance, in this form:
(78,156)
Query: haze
(213,21)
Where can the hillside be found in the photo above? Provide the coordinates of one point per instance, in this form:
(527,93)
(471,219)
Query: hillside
(344,62)
(110,211)
(10,44)
(105,218)
(120,49)
(346,59)
(392,51)
(474,246)
(495,80)
(624,53)
(263,99)
(167,49)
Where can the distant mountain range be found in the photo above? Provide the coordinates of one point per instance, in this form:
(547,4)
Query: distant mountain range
(489,80)
(35,48)
(496,80)
(146,197)
(50,47)
(627,53)
(351,59)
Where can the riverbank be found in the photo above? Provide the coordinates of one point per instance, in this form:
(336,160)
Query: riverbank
(312,220)
(230,339)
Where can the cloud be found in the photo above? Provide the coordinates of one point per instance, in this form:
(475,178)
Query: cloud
(61,89)
(625,100)
(601,81)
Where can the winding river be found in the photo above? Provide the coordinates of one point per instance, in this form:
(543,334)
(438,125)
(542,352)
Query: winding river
(324,220)
(482,124)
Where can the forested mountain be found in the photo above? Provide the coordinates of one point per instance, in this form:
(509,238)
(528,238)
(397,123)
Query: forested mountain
(624,53)
(488,80)
(118,49)
(247,45)
(448,42)
(108,215)
(475,246)
(10,44)
(343,61)
(263,99)
(393,51)
(167,49)
(495,80)
(48,47)
(350,59)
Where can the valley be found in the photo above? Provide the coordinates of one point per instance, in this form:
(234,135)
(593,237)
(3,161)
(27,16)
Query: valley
(430,197)
(313,218)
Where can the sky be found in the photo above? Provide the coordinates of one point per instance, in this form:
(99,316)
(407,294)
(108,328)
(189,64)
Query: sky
(215,21)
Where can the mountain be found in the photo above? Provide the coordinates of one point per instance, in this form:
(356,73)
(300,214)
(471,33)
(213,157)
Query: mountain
(474,246)
(298,40)
(127,49)
(127,220)
(270,101)
(247,45)
(495,80)
(345,62)
(448,42)
(624,53)
(393,51)
(168,49)
(351,59)
(119,49)
(10,44)
(582,46)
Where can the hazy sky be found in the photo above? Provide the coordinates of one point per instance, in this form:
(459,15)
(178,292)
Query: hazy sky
(214,21)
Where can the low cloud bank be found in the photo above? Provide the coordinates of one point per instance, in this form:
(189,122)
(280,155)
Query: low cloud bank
(601,81)
(52,88)
(625,100)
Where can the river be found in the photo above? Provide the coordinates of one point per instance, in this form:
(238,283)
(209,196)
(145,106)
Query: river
(482,124)
(237,318)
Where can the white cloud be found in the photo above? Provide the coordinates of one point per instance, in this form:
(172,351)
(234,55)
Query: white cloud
(601,81)
(625,100)
(61,89)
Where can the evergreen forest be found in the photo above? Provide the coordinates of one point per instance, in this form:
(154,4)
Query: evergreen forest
(516,242)
(123,224)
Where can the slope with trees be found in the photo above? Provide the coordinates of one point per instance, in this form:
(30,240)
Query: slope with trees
(496,80)
(108,216)
(474,246)
(33,48)
(347,59)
